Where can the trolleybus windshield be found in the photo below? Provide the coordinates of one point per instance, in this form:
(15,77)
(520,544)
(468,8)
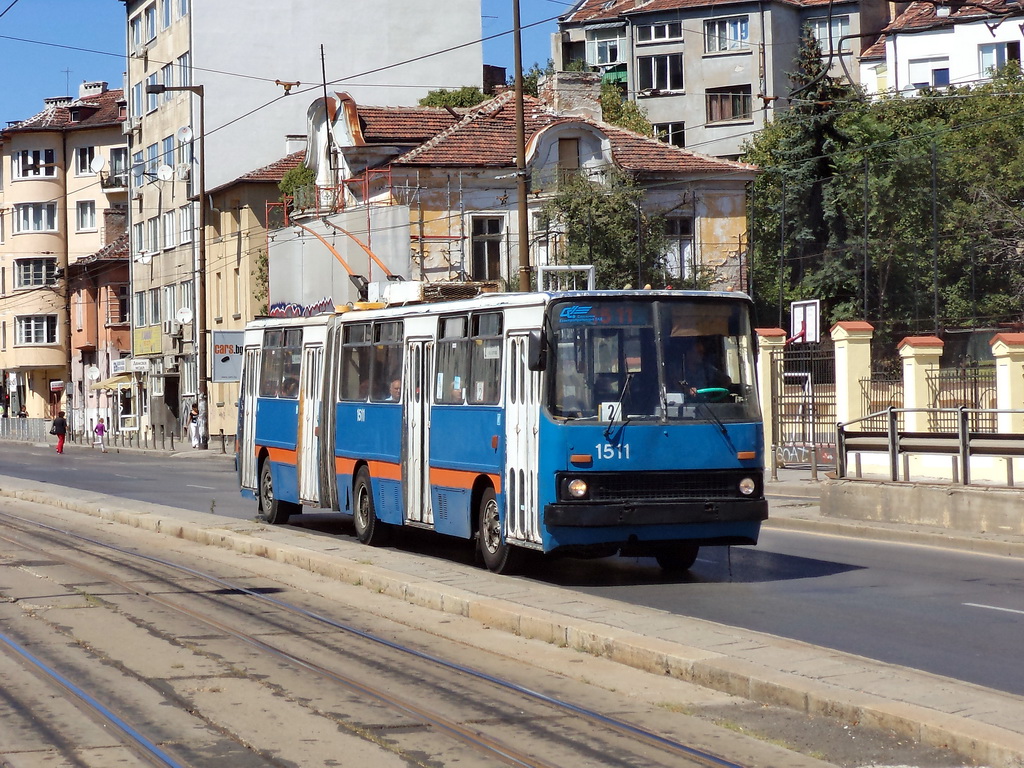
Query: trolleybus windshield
(659,359)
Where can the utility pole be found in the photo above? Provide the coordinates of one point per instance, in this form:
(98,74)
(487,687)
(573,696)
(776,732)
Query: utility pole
(522,188)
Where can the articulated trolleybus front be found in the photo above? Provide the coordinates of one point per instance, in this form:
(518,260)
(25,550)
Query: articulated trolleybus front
(582,423)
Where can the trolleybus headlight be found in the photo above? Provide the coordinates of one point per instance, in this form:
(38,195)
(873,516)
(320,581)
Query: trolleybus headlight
(577,488)
(747,486)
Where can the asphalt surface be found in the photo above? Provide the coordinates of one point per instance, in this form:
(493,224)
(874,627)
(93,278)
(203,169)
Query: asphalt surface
(980,723)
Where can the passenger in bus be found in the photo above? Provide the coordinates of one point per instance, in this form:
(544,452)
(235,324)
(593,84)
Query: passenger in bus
(290,388)
(394,391)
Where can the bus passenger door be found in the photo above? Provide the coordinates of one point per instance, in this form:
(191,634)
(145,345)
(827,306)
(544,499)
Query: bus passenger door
(522,413)
(310,386)
(419,361)
(246,447)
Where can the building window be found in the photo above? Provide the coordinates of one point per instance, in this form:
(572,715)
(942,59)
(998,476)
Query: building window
(118,167)
(136,31)
(182,8)
(167,78)
(839,28)
(35,217)
(186,295)
(36,329)
(165,13)
(170,229)
(487,234)
(170,300)
(185,222)
(679,250)
(153,234)
(34,273)
(184,63)
(153,294)
(660,73)
(659,33)
(83,161)
(994,56)
(152,99)
(732,103)
(167,151)
(85,215)
(138,239)
(140,309)
(605,46)
(150,15)
(670,133)
(152,161)
(931,72)
(30,163)
(731,34)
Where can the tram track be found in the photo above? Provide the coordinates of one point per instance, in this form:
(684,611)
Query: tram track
(625,743)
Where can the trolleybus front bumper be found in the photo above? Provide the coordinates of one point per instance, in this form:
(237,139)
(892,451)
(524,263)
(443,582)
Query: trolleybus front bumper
(602,515)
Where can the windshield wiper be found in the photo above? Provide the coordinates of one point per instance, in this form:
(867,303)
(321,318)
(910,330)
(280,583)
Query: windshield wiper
(711,415)
(622,396)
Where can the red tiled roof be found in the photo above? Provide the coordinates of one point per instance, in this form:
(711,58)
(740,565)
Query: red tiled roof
(115,250)
(610,10)
(486,138)
(922,15)
(274,172)
(97,110)
(404,125)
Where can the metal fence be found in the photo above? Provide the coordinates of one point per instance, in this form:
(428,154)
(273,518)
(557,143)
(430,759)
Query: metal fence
(972,387)
(31,430)
(877,394)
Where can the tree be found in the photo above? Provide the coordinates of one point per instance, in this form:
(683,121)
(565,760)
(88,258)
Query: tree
(616,110)
(295,179)
(603,223)
(467,96)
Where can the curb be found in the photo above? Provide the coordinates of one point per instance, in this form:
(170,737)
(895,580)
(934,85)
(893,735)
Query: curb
(781,684)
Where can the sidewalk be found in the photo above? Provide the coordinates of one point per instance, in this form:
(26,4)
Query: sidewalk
(982,724)
(793,505)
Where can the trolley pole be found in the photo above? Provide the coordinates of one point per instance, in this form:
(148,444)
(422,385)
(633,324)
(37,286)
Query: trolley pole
(522,187)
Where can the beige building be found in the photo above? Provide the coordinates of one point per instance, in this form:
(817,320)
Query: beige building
(62,169)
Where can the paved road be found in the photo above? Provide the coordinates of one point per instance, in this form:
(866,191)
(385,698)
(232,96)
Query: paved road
(950,613)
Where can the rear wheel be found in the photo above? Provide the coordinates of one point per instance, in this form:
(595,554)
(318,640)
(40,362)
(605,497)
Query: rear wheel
(272,509)
(679,559)
(497,555)
(369,529)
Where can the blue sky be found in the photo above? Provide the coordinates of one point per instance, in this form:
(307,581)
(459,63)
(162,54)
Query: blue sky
(49,47)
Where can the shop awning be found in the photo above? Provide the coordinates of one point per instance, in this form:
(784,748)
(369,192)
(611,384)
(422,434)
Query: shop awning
(114,382)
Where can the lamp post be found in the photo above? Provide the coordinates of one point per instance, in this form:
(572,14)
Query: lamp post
(200,314)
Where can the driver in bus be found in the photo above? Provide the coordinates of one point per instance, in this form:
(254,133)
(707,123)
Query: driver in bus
(699,372)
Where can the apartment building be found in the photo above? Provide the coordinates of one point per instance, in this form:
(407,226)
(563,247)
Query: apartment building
(710,74)
(62,175)
(211,98)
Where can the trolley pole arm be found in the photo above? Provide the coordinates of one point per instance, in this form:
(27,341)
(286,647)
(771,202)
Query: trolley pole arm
(358,281)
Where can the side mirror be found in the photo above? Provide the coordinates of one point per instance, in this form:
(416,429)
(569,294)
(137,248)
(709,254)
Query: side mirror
(536,359)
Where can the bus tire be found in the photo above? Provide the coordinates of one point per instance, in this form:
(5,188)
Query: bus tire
(272,509)
(679,559)
(497,555)
(369,529)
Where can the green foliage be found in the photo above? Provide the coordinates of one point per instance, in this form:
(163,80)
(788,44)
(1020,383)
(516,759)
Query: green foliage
(623,113)
(532,76)
(295,179)
(261,279)
(604,224)
(467,96)
(846,181)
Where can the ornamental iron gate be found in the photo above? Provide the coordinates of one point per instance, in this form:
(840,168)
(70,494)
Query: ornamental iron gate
(804,404)
(970,386)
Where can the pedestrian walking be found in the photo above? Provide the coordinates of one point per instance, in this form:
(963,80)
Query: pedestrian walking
(60,429)
(23,413)
(193,426)
(99,431)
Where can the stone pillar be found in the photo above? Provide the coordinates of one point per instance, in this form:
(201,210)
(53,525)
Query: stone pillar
(1008,350)
(920,354)
(853,363)
(770,340)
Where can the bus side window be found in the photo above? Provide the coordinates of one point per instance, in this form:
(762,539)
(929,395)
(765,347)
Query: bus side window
(485,359)
(452,361)
(272,364)
(387,359)
(355,363)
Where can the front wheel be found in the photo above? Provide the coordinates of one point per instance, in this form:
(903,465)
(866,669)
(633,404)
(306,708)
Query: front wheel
(679,559)
(369,529)
(272,509)
(497,555)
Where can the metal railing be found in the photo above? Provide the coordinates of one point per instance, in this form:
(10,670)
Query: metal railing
(960,445)
(879,394)
(972,387)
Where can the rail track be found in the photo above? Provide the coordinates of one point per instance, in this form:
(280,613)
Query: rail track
(430,698)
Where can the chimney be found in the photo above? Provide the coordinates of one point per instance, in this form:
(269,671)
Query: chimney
(94,88)
(294,142)
(114,224)
(572,93)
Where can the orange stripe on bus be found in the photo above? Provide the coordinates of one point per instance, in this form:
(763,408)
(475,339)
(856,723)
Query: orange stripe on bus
(460,478)
(283,455)
(385,470)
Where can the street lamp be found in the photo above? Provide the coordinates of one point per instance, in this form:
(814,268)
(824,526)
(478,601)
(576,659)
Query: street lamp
(200,316)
